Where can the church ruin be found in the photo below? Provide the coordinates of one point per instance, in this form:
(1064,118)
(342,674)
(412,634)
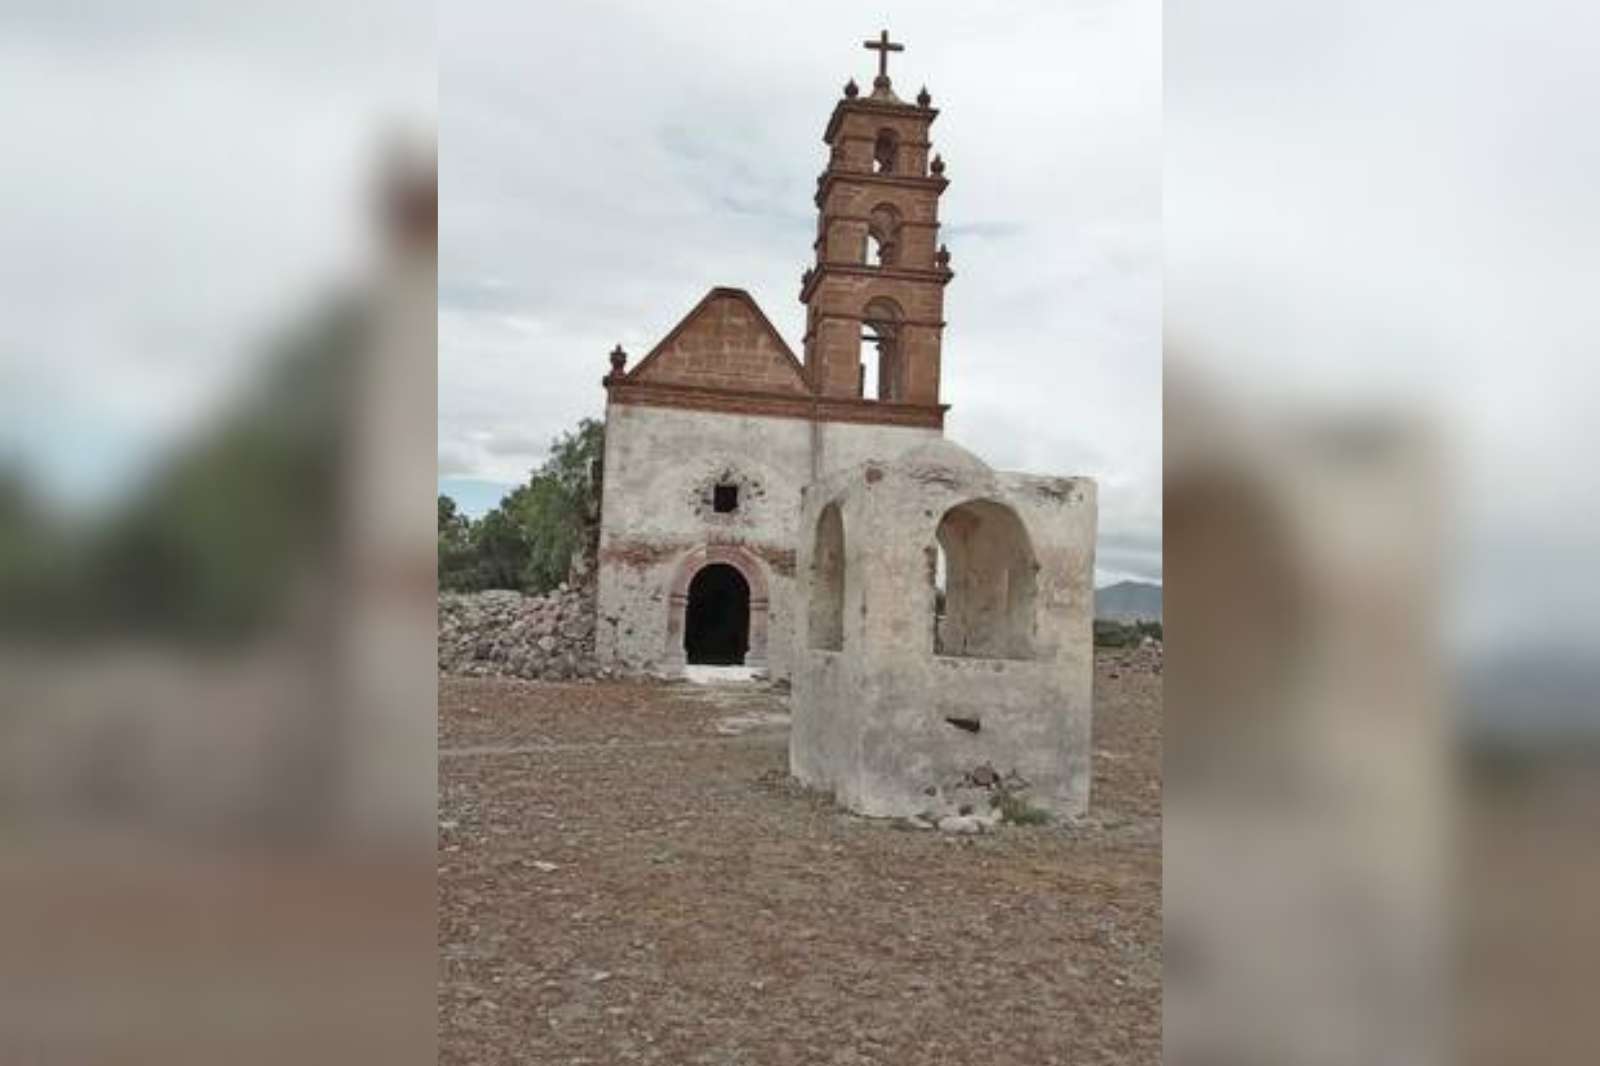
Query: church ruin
(805,516)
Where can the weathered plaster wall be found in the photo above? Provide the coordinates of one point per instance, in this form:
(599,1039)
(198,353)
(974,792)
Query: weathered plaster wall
(656,514)
(870,720)
(846,444)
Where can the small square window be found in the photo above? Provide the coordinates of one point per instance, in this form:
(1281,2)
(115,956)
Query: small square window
(725,499)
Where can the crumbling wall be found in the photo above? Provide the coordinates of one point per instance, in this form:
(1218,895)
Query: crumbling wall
(502,633)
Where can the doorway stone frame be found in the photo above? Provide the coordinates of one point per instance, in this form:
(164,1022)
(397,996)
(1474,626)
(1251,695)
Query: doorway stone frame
(749,568)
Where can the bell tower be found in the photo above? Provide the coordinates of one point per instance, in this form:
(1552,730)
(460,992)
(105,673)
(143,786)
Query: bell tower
(875,296)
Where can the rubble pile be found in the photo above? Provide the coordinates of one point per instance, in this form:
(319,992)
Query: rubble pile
(501,633)
(1145,657)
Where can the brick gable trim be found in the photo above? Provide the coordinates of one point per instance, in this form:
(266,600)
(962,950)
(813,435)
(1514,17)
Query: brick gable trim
(720,292)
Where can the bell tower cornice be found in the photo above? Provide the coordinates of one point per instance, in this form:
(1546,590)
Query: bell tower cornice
(813,277)
(879,108)
(828,178)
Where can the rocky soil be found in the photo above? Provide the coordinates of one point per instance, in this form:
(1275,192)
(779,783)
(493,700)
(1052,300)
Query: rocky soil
(507,634)
(627,874)
(1148,656)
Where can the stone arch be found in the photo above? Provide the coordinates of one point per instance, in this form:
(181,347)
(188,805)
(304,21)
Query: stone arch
(825,621)
(991,583)
(881,320)
(882,309)
(886,152)
(716,626)
(883,236)
(749,568)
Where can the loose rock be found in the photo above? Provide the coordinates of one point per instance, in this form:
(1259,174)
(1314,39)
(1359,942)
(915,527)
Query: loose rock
(502,633)
(962,823)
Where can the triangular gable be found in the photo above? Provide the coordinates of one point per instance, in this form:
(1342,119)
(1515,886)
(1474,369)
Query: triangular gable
(726,342)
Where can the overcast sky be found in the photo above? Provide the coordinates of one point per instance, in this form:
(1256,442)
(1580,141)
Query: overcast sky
(604,164)
(1359,196)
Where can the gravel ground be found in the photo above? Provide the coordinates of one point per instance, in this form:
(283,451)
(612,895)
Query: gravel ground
(626,874)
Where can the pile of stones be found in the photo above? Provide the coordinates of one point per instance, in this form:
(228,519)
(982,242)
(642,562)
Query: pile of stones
(977,802)
(1144,658)
(502,633)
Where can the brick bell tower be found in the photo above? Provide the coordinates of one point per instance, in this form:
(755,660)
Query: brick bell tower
(876,292)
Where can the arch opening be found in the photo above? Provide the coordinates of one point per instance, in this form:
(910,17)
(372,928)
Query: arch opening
(875,250)
(716,630)
(883,236)
(885,152)
(882,378)
(990,582)
(826,621)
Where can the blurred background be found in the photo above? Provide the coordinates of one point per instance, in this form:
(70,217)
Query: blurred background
(217,410)
(1382,724)
(217,399)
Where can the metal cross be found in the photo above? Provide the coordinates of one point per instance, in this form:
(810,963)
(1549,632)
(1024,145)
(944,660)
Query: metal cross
(883,47)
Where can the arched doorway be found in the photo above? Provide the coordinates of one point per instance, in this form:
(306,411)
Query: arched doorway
(689,568)
(716,626)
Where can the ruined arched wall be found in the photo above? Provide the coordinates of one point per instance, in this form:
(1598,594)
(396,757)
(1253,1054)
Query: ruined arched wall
(894,725)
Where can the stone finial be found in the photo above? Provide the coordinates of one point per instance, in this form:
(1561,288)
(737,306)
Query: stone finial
(937,166)
(923,98)
(619,359)
(943,258)
(851,89)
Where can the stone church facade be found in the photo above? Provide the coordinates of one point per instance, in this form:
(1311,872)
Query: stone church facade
(711,437)
(802,514)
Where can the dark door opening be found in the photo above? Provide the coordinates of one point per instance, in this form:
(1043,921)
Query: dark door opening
(716,625)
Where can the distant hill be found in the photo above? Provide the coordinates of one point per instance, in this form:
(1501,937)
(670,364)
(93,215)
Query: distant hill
(1128,601)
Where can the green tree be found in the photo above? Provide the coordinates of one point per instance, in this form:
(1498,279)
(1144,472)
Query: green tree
(529,540)
(458,559)
(500,547)
(453,525)
(559,507)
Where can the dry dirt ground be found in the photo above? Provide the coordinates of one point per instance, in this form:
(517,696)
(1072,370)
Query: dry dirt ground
(626,874)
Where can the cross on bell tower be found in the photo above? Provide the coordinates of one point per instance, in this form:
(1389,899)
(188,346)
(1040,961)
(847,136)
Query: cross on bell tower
(880,270)
(883,46)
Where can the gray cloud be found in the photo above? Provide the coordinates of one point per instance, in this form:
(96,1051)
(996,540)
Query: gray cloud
(454,462)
